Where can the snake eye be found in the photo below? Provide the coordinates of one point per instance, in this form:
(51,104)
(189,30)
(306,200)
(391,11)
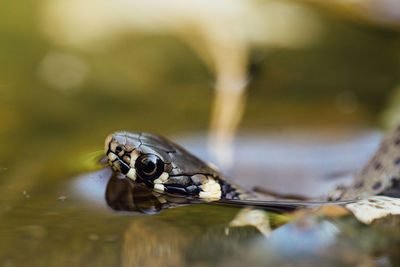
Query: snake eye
(149,166)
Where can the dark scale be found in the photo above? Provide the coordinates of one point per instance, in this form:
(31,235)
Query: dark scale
(377,165)
(193,190)
(124,167)
(397,161)
(118,149)
(359,184)
(394,189)
(227,191)
(377,185)
(180,181)
(178,189)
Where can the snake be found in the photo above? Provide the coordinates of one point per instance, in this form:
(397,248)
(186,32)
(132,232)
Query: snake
(166,167)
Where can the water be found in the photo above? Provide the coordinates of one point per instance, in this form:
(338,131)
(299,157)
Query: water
(47,231)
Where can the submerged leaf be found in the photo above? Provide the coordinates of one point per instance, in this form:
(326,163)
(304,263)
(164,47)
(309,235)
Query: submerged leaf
(260,219)
(252,217)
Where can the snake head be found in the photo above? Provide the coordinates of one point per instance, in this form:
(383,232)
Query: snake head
(129,156)
(160,164)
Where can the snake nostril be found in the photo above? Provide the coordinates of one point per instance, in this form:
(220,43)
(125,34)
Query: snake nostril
(118,149)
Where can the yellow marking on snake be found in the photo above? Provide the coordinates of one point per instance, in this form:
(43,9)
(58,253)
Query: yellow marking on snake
(134,156)
(113,146)
(112,156)
(107,142)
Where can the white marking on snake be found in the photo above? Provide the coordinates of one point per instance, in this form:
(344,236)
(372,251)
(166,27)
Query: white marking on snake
(157,181)
(164,176)
(159,187)
(211,190)
(131,174)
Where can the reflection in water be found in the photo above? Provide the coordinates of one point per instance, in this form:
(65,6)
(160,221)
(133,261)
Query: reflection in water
(168,241)
(154,243)
(163,242)
(75,232)
(126,195)
(307,235)
(158,241)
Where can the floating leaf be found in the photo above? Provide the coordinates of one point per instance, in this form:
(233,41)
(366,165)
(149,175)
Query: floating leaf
(376,207)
